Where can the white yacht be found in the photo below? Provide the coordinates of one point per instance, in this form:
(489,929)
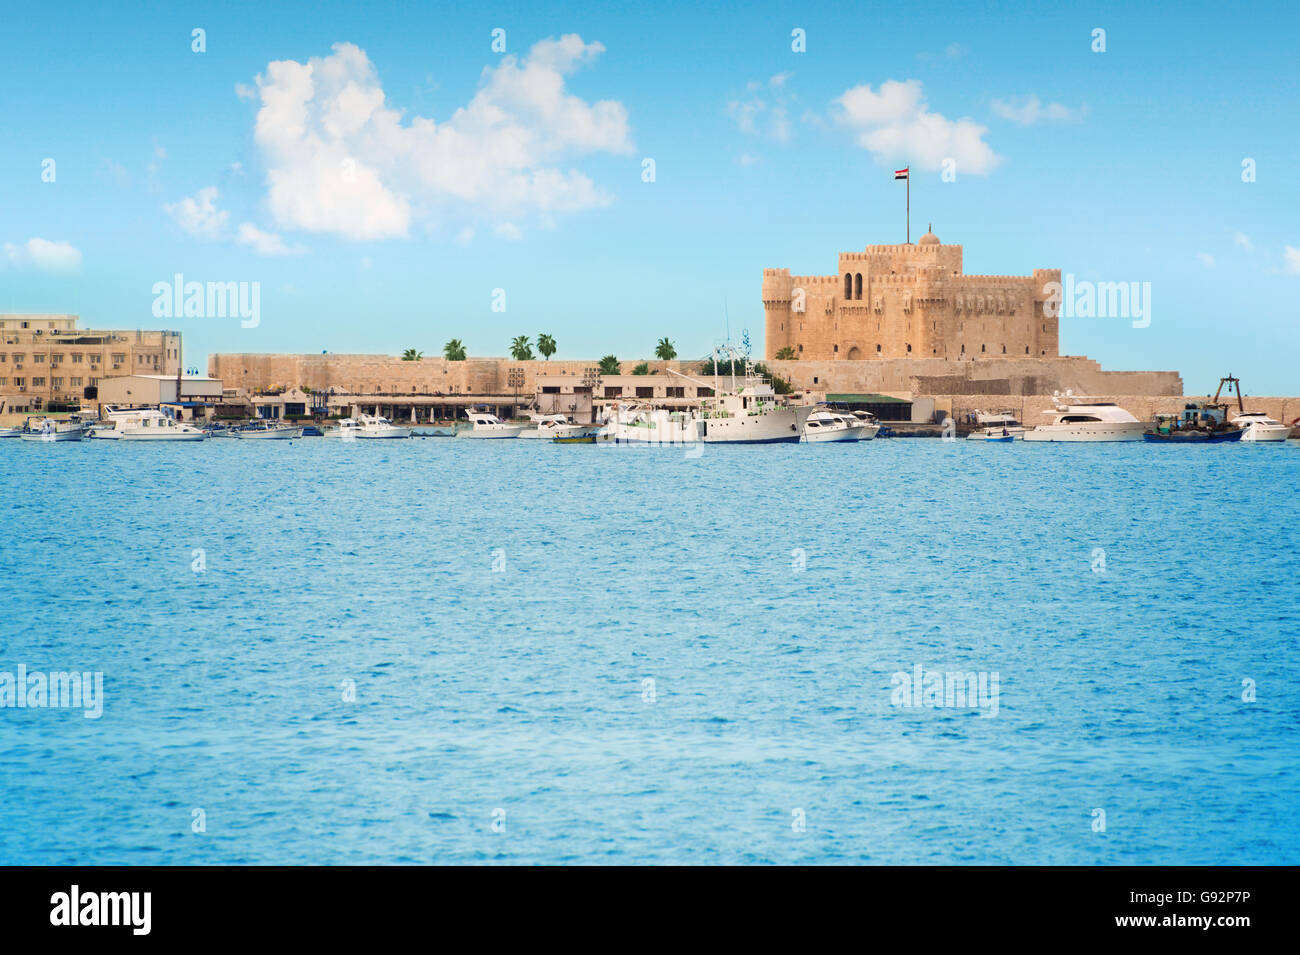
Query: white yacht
(550,426)
(871,422)
(486,425)
(1001,426)
(1258,426)
(262,430)
(824,425)
(144,424)
(346,430)
(1083,420)
(373,426)
(644,425)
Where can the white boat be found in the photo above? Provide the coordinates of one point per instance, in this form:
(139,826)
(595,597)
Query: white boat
(263,430)
(347,430)
(10,432)
(824,425)
(1083,420)
(486,425)
(145,424)
(1260,427)
(373,426)
(50,429)
(645,425)
(871,422)
(551,426)
(1001,426)
(749,410)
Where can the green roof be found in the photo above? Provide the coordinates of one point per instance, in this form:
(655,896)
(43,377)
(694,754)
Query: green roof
(869,399)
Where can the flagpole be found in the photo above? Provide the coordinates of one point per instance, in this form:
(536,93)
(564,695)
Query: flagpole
(909,206)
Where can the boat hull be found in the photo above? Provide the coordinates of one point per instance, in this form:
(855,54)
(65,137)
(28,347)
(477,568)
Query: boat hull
(1091,432)
(1257,434)
(52,436)
(278,434)
(510,431)
(1222,437)
(774,426)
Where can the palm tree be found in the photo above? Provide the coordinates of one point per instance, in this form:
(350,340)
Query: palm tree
(609,365)
(546,345)
(642,369)
(454,350)
(665,350)
(785,354)
(412,355)
(521,349)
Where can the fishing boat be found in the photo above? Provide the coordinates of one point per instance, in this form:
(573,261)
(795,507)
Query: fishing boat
(748,410)
(260,429)
(1176,429)
(585,436)
(487,425)
(6,432)
(51,429)
(1078,419)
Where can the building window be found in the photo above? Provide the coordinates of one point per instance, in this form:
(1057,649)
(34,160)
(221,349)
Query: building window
(38,382)
(1026,349)
(76,382)
(858,286)
(76,358)
(909,349)
(38,359)
(877,349)
(1004,349)
(848,286)
(981,349)
(837,348)
(645,392)
(801,348)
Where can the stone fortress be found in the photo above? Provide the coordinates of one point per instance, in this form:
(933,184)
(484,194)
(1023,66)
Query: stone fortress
(907,318)
(908,301)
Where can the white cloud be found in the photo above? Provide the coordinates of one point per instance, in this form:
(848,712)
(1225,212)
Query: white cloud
(1243,240)
(895,124)
(508,230)
(264,243)
(1206,259)
(341,160)
(765,109)
(1029,110)
(44,255)
(745,159)
(1291,256)
(198,214)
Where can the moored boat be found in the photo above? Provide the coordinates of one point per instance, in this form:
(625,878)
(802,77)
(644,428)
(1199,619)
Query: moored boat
(487,425)
(1078,420)
(260,429)
(52,429)
(825,426)
(144,424)
(550,426)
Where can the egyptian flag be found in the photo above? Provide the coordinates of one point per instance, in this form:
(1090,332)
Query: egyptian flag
(901,173)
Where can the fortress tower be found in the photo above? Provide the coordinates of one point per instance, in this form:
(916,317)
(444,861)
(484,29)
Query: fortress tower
(908,301)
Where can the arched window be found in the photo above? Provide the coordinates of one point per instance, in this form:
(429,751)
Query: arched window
(848,286)
(909,349)
(877,348)
(858,286)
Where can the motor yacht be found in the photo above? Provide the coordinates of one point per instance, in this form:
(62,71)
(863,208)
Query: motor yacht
(1083,420)
(548,426)
(487,425)
(1257,426)
(871,422)
(144,424)
(373,426)
(260,429)
(824,425)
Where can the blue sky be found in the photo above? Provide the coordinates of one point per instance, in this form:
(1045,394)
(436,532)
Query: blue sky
(1117,166)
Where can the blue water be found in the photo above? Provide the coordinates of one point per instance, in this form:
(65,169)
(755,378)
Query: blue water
(498,607)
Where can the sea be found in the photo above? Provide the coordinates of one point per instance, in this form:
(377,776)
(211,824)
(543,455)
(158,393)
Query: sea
(438,650)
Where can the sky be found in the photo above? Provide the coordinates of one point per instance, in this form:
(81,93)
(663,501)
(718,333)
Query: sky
(394,176)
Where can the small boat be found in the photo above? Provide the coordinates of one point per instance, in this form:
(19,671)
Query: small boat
(262,430)
(550,426)
(50,429)
(486,425)
(346,430)
(643,425)
(587,436)
(10,432)
(1001,426)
